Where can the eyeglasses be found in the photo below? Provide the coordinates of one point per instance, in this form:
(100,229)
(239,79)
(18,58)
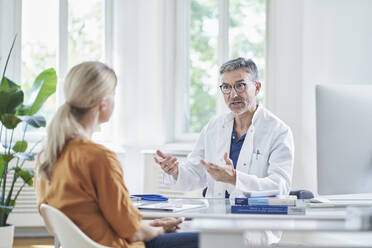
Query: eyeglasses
(238,87)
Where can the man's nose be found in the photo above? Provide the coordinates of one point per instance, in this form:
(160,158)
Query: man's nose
(233,92)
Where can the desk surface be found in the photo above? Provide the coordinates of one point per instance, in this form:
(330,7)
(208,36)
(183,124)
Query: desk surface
(221,208)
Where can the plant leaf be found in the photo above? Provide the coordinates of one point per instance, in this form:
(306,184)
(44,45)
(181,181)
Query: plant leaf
(10,99)
(20,146)
(25,156)
(6,209)
(10,121)
(34,120)
(2,166)
(6,157)
(10,52)
(43,87)
(6,83)
(26,175)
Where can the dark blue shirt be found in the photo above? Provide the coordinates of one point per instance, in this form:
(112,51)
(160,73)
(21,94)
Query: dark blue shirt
(235,147)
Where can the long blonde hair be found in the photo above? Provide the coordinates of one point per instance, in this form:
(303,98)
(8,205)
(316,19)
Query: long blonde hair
(86,85)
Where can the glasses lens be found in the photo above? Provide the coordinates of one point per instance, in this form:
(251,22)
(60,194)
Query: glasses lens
(225,88)
(240,87)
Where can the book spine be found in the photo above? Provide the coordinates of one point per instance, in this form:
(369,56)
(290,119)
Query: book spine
(265,201)
(289,210)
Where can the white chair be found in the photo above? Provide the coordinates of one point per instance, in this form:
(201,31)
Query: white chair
(65,230)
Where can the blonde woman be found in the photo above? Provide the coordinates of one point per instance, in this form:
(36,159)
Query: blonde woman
(85,180)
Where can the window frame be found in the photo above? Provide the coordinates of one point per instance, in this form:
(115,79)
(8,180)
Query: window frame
(62,56)
(182,73)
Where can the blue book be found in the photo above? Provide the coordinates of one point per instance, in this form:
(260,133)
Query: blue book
(267,209)
(282,200)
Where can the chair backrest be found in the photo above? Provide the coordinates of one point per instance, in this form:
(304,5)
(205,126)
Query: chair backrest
(66,231)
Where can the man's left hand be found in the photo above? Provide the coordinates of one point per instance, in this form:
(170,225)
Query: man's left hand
(222,173)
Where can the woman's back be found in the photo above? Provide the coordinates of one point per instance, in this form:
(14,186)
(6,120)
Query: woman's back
(87,185)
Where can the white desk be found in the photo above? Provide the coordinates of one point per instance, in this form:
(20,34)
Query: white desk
(218,227)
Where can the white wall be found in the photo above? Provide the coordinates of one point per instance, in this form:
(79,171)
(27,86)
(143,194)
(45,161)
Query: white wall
(9,27)
(314,42)
(144,56)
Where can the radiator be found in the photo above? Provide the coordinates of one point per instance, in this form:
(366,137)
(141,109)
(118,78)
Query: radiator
(153,179)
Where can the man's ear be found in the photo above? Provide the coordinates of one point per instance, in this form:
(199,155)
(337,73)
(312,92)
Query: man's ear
(102,105)
(258,88)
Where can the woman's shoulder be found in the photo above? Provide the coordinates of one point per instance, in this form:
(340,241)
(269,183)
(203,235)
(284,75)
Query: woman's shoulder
(88,150)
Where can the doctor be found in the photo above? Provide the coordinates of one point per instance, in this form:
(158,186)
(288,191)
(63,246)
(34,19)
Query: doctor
(248,150)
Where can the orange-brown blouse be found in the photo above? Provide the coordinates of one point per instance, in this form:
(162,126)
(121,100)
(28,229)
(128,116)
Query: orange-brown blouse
(87,185)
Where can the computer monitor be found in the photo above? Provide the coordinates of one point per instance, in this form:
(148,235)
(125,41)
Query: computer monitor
(344,139)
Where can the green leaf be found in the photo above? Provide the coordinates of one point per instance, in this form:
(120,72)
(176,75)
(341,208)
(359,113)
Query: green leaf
(43,87)
(20,146)
(35,120)
(10,52)
(6,83)
(12,203)
(10,99)
(25,156)
(26,175)
(6,209)
(6,157)
(2,166)
(10,121)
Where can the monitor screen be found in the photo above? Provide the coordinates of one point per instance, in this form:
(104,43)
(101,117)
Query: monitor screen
(344,139)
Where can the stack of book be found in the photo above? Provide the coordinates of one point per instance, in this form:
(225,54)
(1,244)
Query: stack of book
(282,204)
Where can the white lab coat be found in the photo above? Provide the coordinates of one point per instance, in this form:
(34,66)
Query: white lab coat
(265,161)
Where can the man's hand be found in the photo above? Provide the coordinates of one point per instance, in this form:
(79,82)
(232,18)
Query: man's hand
(222,173)
(168,164)
(169,224)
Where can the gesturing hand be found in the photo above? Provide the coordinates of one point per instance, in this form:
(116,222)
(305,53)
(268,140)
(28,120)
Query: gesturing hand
(222,173)
(169,224)
(168,164)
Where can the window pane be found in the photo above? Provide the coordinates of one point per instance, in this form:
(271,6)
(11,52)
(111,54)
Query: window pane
(39,45)
(247,33)
(203,63)
(86,31)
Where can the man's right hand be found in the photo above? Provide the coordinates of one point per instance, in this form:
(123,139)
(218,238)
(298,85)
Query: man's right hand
(167,163)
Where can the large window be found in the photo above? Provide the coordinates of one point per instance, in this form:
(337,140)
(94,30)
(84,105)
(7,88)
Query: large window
(61,34)
(244,36)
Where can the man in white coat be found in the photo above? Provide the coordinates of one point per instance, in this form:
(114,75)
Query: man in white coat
(248,150)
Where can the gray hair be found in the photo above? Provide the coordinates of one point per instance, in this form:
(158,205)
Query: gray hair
(234,64)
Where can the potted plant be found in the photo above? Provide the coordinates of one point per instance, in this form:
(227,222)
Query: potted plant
(14,153)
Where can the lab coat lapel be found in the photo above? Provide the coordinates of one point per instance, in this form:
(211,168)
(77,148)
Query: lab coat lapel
(223,145)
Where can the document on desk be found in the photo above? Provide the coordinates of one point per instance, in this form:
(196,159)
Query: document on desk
(341,204)
(173,205)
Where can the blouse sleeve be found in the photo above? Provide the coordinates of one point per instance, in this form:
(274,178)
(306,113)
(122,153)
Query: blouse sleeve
(113,197)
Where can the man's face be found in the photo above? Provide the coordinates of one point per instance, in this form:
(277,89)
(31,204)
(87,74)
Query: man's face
(240,102)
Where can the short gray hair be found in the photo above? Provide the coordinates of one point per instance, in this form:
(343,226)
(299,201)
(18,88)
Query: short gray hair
(234,64)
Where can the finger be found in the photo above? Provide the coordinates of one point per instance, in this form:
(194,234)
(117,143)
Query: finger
(205,163)
(157,160)
(157,223)
(170,165)
(173,170)
(170,169)
(160,154)
(173,160)
(227,159)
(167,159)
(177,221)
